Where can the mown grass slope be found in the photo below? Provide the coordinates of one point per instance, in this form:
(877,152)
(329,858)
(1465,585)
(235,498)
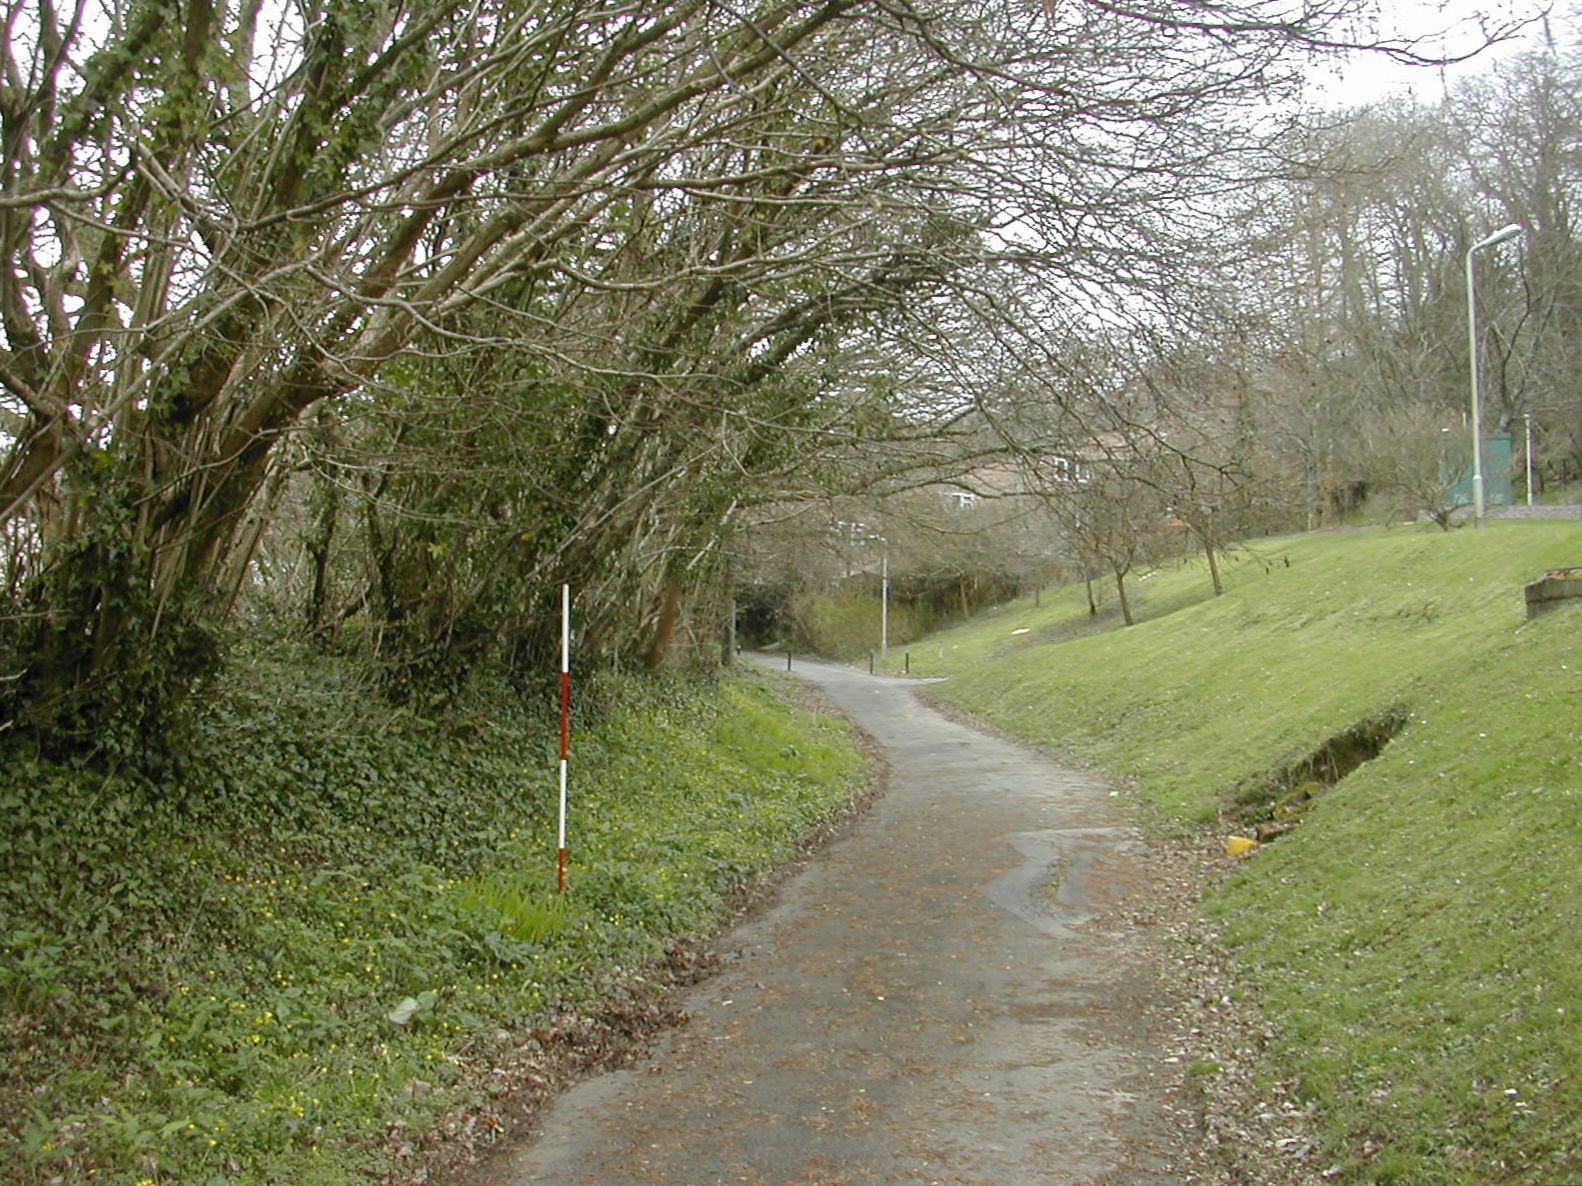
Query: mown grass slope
(1416,937)
(285,958)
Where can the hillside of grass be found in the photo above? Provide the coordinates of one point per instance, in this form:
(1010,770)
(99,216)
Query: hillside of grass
(1414,936)
(846,623)
(290,956)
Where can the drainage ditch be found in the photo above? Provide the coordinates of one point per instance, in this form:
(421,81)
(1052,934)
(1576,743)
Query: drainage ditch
(1273,805)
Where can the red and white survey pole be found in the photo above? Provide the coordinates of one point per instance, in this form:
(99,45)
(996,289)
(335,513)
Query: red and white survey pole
(565,726)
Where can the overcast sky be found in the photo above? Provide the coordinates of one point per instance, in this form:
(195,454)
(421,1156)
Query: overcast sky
(1451,28)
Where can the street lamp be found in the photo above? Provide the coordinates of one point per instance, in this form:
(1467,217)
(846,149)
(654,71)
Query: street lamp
(1503,235)
(884,596)
(1527,418)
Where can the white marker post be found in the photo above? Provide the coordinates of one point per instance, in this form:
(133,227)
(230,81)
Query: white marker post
(565,726)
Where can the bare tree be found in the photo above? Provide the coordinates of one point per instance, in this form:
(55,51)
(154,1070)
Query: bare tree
(218,219)
(1416,463)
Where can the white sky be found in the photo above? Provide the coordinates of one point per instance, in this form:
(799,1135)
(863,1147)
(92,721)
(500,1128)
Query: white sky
(1451,28)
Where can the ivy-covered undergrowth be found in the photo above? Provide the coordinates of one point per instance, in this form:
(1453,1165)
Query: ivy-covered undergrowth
(246,969)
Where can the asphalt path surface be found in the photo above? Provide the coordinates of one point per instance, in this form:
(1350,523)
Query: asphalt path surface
(954,991)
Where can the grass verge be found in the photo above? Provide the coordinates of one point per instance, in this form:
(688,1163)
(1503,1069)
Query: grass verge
(846,624)
(280,961)
(1414,937)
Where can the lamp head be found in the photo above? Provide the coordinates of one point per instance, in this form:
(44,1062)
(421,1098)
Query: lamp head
(1503,235)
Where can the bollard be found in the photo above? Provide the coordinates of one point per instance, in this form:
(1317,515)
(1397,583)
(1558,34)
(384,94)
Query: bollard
(870,663)
(788,658)
(908,662)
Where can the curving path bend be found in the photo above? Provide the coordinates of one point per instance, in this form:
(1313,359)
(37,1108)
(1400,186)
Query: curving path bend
(952,992)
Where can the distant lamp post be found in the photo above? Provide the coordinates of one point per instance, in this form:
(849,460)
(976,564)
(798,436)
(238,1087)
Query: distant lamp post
(1503,235)
(884,596)
(1527,417)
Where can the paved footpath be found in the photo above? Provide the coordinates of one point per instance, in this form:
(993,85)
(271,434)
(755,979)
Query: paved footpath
(949,993)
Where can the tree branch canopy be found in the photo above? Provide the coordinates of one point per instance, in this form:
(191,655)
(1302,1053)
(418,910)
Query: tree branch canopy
(651,221)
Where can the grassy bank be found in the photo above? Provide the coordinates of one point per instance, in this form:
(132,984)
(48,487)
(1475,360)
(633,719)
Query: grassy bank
(1414,936)
(259,966)
(846,624)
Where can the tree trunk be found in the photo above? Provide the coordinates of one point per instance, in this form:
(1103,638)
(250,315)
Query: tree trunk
(1213,563)
(317,544)
(669,615)
(262,516)
(1120,588)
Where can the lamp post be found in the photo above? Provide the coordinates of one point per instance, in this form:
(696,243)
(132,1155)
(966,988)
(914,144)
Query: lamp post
(1503,235)
(884,596)
(1527,417)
